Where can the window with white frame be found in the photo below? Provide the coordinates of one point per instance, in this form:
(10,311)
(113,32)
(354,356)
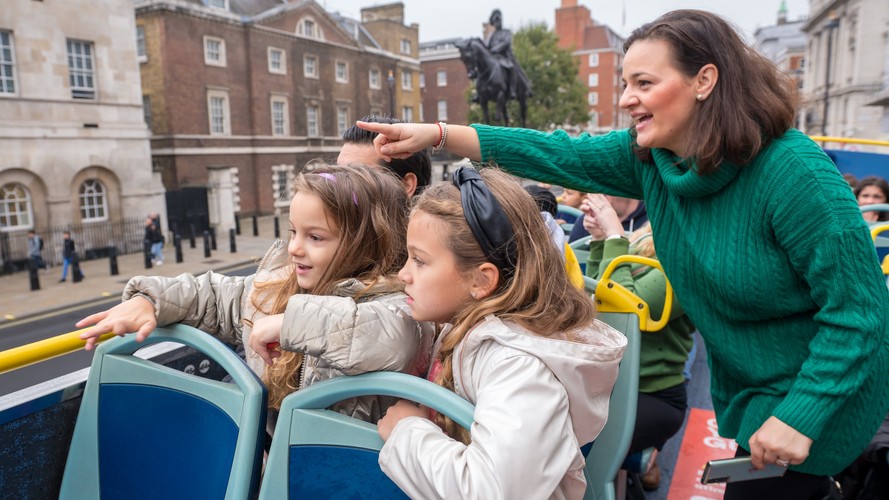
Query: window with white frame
(310,66)
(342,72)
(342,120)
(374,79)
(407,114)
(313,120)
(141,51)
(593,60)
(282,184)
(405,46)
(81,69)
(593,98)
(441,77)
(277,61)
(219,4)
(214,51)
(593,80)
(442,110)
(407,81)
(217,107)
(15,207)
(7,63)
(93,201)
(280,118)
(309,28)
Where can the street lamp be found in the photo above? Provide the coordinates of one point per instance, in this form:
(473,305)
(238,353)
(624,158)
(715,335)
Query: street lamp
(391,81)
(831,24)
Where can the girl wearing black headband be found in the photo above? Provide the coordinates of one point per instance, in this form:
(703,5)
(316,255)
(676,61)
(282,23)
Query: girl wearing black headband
(521,343)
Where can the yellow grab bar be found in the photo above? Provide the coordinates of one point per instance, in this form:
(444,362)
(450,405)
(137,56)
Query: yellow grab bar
(614,297)
(875,231)
(35,352)
(849,140)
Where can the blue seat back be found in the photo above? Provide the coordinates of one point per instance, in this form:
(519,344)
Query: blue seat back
(148,431)
(318,453)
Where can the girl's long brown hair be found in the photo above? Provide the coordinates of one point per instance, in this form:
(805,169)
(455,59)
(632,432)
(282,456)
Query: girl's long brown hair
(752,103)
(367,207)
(538,297)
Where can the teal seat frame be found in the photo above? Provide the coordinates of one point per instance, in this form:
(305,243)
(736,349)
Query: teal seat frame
(145,430)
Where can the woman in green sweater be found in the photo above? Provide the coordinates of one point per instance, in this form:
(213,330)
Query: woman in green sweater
(758,232)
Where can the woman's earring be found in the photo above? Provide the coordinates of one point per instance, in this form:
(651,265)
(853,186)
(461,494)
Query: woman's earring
(473,294)
(700,97)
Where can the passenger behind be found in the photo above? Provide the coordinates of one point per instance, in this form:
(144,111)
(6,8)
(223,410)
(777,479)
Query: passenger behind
(329,297)
(570,198)
(870,191)
(632,215)
(662,392)
(546,202)
(522,344)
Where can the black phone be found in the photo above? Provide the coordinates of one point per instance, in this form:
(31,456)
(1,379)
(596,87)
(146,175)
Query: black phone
(732,470)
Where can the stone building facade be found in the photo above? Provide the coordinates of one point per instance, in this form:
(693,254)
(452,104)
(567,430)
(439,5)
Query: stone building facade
(444,83)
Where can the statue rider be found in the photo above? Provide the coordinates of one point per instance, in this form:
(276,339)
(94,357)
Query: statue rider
(499,43)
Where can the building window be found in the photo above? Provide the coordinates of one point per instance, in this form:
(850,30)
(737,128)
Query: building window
(219,4)
(214,51)
(407,114)
(280,120)
(282,185)
(593,80)
(342,120)
(407,82)
(310,67)
(593,98)
(146,110)
(594,60)
(277,61)
(217,106)
(141,51)
(313,127)
(15,207)
(442,78)
(405,46)
(342,72)
(309,28)
(81,69)
(374,79)
(422,80)
(93,203)
(442,110)
(7,63)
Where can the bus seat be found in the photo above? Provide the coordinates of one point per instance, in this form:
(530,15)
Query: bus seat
(569,215)
(148,431)
(318,453)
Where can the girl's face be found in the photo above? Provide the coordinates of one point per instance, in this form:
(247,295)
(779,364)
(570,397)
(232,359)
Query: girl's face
(870,195)
(436,290)
(314,239)
(572,198)
(659,98)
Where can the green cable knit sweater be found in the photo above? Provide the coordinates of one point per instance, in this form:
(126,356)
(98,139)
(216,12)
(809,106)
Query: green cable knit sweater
(772,261)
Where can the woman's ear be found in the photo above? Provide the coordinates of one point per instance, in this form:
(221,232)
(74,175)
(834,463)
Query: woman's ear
(706,80)
(485,282)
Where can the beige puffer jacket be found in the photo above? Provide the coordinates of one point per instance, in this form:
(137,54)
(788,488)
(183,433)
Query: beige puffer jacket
(340,334)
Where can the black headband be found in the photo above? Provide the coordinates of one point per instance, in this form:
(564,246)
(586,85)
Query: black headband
(487,220)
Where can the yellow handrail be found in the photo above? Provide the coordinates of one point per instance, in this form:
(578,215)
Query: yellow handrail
(614,297)
(849,140)
(35,352)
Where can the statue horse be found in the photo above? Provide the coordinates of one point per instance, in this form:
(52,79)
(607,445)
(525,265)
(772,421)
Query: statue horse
(491,81)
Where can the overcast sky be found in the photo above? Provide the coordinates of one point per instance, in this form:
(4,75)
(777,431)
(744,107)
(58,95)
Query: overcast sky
(440,19)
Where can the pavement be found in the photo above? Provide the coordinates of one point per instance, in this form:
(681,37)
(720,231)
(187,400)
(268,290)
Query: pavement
(19,303)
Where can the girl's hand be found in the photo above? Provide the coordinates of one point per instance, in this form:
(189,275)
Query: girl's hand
(400,410)
(778,443)
(600,219)
(133,315)
(400,140)
(265,336)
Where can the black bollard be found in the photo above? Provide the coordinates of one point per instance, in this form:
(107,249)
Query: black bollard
(231,241)
(146,253)
(237,224)
(177,243)
(277,228)
(32,273)
(191,236)
(444,172)
(213,238)
(206,244)
(255,226)
(76,275)
(112,260)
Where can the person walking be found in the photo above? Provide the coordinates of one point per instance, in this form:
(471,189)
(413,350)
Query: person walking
(35,250)
(156,238)
(69,257)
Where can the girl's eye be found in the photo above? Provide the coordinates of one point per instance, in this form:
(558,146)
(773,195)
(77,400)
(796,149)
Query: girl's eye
(315,237)
(292,233)
(417,261)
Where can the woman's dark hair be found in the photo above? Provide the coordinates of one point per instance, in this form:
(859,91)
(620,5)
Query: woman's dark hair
(873,180)
(752,102)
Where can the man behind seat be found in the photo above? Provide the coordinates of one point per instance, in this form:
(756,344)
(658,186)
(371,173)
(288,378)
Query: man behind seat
(415,171)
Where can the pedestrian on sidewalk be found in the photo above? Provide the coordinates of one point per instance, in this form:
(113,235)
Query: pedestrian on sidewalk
(154,236)
(69,256)
(35,250)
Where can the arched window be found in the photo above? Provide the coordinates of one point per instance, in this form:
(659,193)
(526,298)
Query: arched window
(15,207)
(93,202)
(307,27)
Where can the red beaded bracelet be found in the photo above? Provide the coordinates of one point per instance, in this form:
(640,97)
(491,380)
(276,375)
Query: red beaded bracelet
(443,136)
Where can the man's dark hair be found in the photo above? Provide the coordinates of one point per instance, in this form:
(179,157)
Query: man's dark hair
(545,199)
(419,163)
